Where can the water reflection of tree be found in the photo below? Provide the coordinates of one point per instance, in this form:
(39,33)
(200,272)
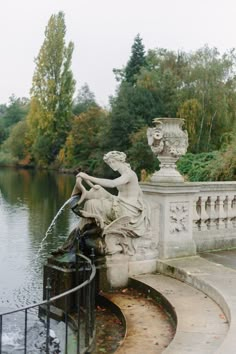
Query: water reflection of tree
(42,193)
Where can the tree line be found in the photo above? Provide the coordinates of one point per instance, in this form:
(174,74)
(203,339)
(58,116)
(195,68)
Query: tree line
(52,129)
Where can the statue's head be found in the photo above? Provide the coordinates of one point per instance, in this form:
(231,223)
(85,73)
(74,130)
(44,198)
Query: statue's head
(115,157)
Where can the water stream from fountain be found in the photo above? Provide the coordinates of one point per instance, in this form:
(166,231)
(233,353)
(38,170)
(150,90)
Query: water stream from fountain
(51,226)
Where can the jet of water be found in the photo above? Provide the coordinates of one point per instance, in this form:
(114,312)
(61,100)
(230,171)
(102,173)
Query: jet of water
(72,201)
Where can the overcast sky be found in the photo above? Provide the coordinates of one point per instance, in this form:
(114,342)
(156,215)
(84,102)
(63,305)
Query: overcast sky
(103,32)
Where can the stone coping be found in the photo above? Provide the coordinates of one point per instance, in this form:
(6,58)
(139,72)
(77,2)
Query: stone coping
(188,187)
(213,279)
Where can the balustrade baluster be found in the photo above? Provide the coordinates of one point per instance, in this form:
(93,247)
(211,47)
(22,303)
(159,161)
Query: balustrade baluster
(230,211)
(196,214)
(212,213)
(233,208)
(203,213)
(221,211)
(227,209)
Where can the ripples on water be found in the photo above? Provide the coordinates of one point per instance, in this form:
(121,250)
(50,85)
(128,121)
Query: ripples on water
(28,203)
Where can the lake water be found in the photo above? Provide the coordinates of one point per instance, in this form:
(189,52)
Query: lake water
(29,200)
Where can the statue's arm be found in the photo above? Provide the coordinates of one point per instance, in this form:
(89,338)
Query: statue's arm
(107,183)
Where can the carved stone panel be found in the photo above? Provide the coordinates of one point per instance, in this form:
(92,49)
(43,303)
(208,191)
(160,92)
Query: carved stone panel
(179,215)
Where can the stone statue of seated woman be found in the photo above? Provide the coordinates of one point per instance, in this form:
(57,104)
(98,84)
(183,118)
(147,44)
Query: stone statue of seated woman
(121,221)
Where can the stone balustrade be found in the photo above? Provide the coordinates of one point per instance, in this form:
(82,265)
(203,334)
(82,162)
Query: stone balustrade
(214,215)
(187,218)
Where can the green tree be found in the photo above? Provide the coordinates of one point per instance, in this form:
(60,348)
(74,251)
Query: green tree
(200,85)
(210,79)
(85,143)
(3,108)
(163,76)
(140,154)
(15,111)
(190,111)
(16,142)
(155,94)
(199,167)
(133,108)
(11,114)
(136,61)
(84,100)
(3,132)
(52,92)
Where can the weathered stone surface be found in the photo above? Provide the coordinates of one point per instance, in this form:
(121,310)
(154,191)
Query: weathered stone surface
(171,218)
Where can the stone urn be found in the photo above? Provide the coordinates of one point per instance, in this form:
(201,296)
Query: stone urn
(168,142)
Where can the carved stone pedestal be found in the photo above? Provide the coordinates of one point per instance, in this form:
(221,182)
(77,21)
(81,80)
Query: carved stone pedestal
(114,271)
(171,218)
(117,270)
(168,171)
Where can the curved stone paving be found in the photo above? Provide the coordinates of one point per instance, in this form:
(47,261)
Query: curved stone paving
(206,318)
(201,324)
(215,280)
(148,328)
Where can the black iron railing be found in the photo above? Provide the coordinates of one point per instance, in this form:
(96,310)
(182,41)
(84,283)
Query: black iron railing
(79,324)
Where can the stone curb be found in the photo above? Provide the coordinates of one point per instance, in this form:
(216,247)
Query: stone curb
(200,325)
(215,280)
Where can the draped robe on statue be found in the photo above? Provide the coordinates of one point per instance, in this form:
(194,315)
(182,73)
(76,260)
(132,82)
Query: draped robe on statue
(109,208)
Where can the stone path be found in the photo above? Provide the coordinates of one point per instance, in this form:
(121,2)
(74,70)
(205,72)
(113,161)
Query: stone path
(201,324)
(213,278)
(200,292)
(226,258)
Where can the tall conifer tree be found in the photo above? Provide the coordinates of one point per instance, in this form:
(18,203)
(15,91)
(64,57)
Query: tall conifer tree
(136,61)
